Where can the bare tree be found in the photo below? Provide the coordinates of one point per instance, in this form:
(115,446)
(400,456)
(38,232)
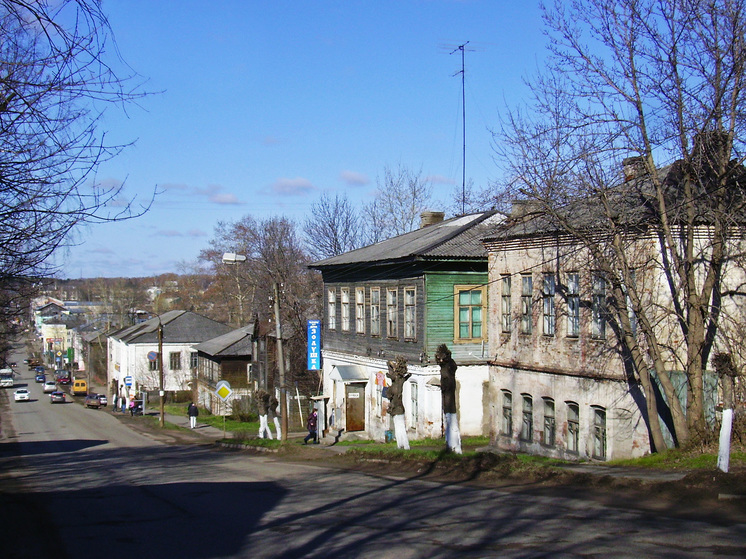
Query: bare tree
(333,228)
(401,196)
(55,86)
(657,85)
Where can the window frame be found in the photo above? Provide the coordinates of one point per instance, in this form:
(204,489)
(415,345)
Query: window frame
(506,425)
(174,361)
(549,291)
(506,304)
(600,449)
(527,304)
(392,318)
(527,419)
(549,433)
(458,290)
(331,308)
(573,305)
(410,313)
(572,445)
(345,307)
(375,311)
(598,306)
(360,310)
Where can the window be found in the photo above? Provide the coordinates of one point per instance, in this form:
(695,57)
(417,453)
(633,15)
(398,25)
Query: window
(410,313)
(573,305)
(505,305)
(415,407)
(331,299)
(507,418)
(630,310)
(527,288)
(360,310)
(174,361)
(392,313)
(193,359)
(527,425)
(153,365)
(345,309)
(573,427)
(598,331)
(469,305)
(599,433)
(375,311)
(549,422)
(550,317)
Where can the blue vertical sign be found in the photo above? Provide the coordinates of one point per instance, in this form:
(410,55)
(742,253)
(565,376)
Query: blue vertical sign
(314,345)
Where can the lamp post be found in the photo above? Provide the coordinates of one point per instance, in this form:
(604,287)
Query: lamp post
(161,392)
(281,366)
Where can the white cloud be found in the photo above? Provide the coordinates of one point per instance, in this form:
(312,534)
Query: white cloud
(291,187)
(439,179)
(351,178)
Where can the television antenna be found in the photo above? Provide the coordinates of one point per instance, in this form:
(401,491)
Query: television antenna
(462,49)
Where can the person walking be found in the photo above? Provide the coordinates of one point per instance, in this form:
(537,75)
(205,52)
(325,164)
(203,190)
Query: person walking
(311,425)
(192,412)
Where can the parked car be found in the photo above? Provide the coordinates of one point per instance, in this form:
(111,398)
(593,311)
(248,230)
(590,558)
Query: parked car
(103,399)
(62,376)
(21,395)
(49,386)
(40,377)
(92,401)
(57,397)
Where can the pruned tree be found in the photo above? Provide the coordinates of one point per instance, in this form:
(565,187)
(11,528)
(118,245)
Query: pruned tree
(56,84)
(333,227)
(655,87)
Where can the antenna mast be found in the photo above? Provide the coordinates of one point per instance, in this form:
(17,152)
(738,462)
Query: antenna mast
(462,48)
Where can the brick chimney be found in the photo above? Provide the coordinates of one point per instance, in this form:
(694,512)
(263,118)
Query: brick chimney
(430,218)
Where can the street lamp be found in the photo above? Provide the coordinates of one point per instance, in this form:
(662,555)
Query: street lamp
(232,258)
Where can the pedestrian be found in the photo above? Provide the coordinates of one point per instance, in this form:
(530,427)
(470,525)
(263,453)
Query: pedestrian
(263,405)
(192,412)
(311,426)
(115,400)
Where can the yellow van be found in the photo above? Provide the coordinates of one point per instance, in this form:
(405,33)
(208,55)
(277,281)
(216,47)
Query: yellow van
(80,387)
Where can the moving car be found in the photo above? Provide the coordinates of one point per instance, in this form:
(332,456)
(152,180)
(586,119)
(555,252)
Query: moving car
(49,386)
(80,387)
(103,399)
(40,377)
(92,401)
(21,395)
(39,369)
(6,378)
(57,397)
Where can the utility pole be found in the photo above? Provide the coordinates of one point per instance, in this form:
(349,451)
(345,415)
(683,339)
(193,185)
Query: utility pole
(281,366)
(161,392)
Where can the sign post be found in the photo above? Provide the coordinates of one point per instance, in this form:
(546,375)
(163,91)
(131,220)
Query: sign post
(223,391)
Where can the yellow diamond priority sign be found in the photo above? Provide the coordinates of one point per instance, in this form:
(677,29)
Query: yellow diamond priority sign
(223,390)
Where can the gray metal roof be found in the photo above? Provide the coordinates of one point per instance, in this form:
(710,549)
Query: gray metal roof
(455,238)
(178,327)
(233,344)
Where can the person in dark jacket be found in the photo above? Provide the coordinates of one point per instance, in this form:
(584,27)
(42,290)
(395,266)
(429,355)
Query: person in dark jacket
(311,425)
(192,412)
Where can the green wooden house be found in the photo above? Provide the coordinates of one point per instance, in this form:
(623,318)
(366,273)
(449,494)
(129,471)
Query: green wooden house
(404,297)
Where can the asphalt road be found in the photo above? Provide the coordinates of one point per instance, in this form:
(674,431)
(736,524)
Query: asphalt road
(78,483)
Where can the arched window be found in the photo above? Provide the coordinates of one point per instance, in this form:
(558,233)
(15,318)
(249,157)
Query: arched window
(548,437)
(507,415)
(573,426)
(527,425)
(599,432)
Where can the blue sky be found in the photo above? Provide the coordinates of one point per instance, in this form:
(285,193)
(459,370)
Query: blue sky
(266,105)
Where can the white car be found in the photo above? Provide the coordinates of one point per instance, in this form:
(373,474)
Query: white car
(50,386)
(21,395)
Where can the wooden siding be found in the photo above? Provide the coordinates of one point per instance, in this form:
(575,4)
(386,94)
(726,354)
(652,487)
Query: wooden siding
(441,315)
(366,344)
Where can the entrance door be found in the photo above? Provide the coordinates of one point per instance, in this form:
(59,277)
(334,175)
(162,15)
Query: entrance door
(355,407)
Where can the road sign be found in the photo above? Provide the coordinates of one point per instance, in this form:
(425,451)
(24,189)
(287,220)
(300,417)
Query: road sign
(152,356)
(223,390)
(128,381)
